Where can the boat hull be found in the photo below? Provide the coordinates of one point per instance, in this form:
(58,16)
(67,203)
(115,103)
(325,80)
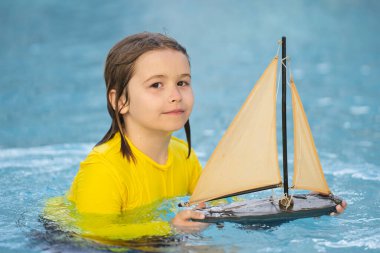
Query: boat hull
(266,211)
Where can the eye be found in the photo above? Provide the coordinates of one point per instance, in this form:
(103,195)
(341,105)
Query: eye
(183,83)
(156,85)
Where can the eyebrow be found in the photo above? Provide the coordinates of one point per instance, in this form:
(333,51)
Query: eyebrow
(163,76)
(185,75)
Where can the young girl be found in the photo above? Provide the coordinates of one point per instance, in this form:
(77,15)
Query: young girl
(138,161)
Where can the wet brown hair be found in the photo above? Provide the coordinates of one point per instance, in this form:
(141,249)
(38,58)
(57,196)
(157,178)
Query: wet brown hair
(119,69)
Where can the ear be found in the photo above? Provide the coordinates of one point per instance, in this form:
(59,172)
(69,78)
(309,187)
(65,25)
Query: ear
(122,103)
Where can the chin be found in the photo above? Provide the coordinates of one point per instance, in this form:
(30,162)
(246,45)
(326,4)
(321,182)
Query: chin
(173,127)
(170,125)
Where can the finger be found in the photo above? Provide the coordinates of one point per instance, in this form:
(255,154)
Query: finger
(339,209)
(188,214)
(192,227)
(196,224)
(201,205)
(344,204)
(197,215)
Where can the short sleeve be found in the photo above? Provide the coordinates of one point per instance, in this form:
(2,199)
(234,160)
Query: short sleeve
(95,189)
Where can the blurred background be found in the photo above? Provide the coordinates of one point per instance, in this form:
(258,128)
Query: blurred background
(53,53)
(53,103)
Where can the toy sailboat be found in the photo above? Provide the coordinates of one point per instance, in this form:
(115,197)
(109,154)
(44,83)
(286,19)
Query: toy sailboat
(246,160)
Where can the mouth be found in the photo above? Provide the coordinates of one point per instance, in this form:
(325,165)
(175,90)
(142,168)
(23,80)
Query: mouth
(175,112)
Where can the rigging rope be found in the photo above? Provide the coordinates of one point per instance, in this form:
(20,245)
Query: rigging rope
(279,42)
(287,70)
(278,83)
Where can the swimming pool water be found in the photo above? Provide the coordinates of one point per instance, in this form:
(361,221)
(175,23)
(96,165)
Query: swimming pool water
(52,106)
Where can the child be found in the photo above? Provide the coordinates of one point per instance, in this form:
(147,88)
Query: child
(138,161)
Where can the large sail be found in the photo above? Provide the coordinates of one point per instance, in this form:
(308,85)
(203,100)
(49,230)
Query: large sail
(246,158)
(308,173)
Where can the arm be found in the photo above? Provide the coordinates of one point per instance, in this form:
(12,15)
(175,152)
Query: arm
(182,221)
(97,198)
(95,189)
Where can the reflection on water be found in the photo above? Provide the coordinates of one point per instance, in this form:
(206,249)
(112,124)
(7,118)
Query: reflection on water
(146,228)
(55,238)
(150,220)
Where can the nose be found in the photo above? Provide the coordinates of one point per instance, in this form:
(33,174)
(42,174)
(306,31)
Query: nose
(175,95)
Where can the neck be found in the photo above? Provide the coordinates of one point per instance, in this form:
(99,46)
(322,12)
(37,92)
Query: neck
(152,143)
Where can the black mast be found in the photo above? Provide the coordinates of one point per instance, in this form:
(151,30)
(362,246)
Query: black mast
(284,134)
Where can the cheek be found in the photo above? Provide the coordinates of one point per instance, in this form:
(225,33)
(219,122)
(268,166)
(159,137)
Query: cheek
(190,98)
(144,104)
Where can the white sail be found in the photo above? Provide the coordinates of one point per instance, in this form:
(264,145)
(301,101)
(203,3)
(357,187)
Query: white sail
(246,157)
(308,173)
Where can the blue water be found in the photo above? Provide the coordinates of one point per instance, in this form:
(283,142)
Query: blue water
(52,105)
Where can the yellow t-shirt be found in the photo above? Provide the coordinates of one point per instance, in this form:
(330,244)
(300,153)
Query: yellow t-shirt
(108,183)
(113,199)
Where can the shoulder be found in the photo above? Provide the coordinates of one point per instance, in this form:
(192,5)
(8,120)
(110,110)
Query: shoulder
(109,147)
(99,172)
(105,158)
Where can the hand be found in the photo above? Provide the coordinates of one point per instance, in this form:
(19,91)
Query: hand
(181,222)
(340,208)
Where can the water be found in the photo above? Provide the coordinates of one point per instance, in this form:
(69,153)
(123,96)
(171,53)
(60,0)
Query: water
(52,106)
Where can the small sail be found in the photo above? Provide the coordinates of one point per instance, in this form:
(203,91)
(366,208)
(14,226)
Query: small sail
(308,173)
(246,158)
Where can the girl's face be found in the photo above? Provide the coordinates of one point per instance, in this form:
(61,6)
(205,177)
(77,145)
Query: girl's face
(160,94)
